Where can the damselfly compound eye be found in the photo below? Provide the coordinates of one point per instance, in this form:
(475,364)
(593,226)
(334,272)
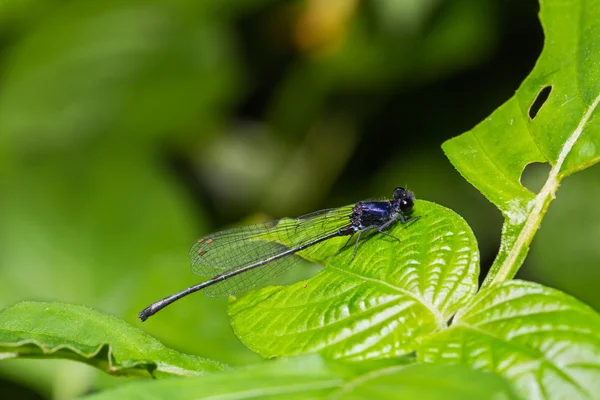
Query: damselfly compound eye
(399,193)
(407,204)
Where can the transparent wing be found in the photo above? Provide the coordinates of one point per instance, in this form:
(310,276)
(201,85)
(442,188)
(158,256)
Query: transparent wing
(252,278)
(232,249)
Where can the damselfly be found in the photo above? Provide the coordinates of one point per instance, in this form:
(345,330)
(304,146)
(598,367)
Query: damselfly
(243,258)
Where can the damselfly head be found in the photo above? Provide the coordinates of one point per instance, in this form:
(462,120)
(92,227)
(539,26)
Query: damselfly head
(405,200)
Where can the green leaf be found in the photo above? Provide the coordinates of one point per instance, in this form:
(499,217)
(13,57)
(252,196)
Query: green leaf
(376,306)
(565,132)
(542,340)
(55,330)
(312,377)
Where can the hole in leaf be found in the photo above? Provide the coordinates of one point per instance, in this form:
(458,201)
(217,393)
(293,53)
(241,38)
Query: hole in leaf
(539,101)
(535,175)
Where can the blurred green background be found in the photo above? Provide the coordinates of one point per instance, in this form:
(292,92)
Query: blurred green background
(130,128)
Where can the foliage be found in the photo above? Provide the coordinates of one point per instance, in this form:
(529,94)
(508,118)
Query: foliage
(312,377)
(398,320)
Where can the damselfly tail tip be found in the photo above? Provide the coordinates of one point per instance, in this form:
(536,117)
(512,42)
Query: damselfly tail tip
(145,314)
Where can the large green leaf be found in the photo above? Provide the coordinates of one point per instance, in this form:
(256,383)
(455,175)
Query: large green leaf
(542,340)
(565,132)
(55,330)
(311,377)
(376,305)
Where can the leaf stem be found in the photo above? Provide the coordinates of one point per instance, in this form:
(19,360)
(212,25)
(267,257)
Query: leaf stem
(508,269)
